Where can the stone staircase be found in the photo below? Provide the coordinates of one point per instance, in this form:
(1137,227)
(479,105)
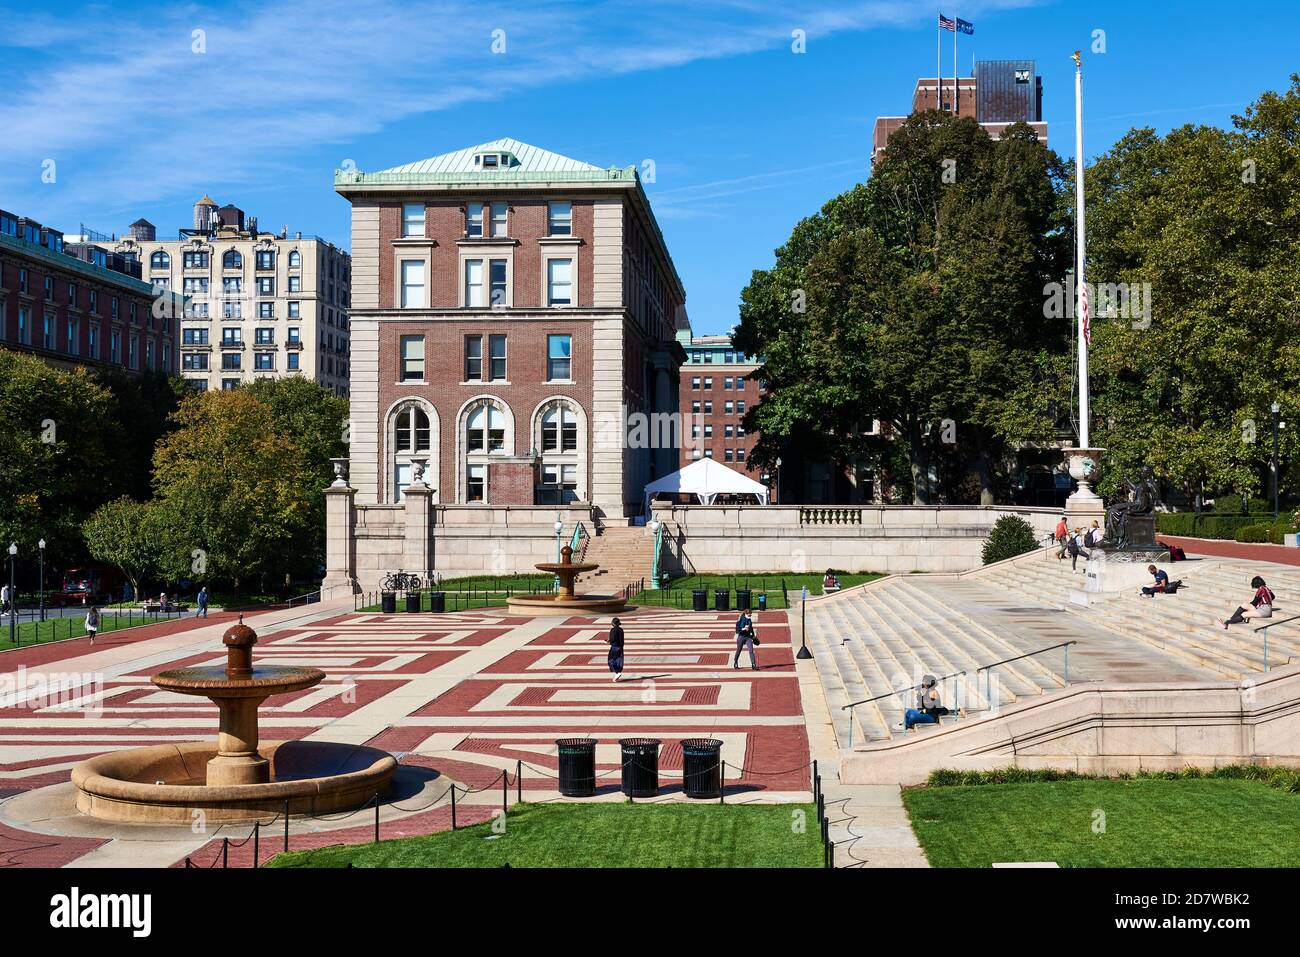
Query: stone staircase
(882,638)
(624,554)
(1184,624)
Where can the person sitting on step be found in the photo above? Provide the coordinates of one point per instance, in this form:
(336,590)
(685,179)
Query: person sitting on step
(929,706)
(1261,606)
(830,582)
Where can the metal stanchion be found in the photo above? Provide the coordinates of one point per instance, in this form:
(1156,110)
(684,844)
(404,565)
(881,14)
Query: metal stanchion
(376,818)
(453,807)
(286,824)
(257,840)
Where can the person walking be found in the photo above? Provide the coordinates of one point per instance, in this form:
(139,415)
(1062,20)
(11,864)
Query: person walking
(92,623)
(745,639)
(1074,545)
(615,639)
(1062,533)
(203,603)
(4,599)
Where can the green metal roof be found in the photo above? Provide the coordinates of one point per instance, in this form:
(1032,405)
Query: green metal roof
(532,164)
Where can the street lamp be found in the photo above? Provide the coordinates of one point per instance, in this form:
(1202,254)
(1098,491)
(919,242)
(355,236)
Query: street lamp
(559,527)
(13,592)
(778,478)
(41,550)
(1277,412)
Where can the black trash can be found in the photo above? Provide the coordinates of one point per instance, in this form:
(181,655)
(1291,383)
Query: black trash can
(437,601)
(412,602)
(388,602)
(640,766)
(762,602)
(702,767)
(577,766)
(742,599)
(721,599)
(700,600)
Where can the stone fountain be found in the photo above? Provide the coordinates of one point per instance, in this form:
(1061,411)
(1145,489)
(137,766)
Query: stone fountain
(232,780)
(563,601)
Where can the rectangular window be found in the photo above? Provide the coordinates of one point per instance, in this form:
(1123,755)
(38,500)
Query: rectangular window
(728,407)
(295,284)
(228,384)
(194,361)
(295,309)
(264,361)
(695,382)
(413,219)
(497,277)
(232,309)
(412,358)
(412,283)
(93,341)
(148,354)
(473,358)
(47,339)
(740,407)
(266,310)
(193,260)
(708,382)
(559,358)
(695,406)
(559,282)
(133,353)
(232,336)
(266,259)
(194,285)
(231,360)
(708,431)
(476,484)
(497,357)
(293,334)
(499,219)
(73,337)
(22,281)
(49,288)
(559,218)
(112,307)
(726,383)
(293,360)
(115,346)
(740,455)
(708,408)
(473,219)
(728,455)
(266,285)
(264,337)
(728,430)
(473,282)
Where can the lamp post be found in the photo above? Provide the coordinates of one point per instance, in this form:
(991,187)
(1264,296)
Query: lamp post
(778,479)
(40,546)
(654,562)
(1277,412)
(804,653)
(13,592)
(559,527)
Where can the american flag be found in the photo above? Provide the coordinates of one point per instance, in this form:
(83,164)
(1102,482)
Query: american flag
(946,24)
(1087,326)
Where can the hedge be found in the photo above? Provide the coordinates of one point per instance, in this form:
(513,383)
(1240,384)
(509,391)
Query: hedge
(1227,527)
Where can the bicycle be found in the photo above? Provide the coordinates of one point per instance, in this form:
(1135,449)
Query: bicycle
(401,581)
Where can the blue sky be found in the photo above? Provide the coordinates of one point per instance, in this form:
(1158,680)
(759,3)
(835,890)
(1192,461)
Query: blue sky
(746,135)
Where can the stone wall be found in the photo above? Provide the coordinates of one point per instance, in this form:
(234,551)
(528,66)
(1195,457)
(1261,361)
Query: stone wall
(500,540)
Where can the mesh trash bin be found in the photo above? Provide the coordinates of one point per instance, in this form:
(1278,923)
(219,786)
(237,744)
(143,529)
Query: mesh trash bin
(721,599)
(412,601)
(577,766)
(700,600)
(388,602)
(640,766)
(762,602)
(437,601)
(702,767)
(742,599)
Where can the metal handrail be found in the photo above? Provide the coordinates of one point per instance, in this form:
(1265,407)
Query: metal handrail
(890,694)
(988,678)
(1265,628)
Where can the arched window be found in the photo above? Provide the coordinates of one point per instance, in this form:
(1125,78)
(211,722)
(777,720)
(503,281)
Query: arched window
(412,435)
(560,443)
(160,260)
(485,429)
(295,259)
(232,260)
(559,429)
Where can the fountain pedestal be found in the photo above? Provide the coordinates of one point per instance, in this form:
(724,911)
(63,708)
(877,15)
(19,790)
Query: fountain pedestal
(564,601)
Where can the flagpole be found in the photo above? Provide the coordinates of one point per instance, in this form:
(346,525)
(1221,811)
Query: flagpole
(1080,289)
(956,95)
(938,65)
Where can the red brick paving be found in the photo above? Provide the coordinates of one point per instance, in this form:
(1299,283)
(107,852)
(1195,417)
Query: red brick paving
(1282,554)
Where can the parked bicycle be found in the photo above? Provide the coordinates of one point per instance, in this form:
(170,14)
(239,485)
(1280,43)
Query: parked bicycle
(402,581)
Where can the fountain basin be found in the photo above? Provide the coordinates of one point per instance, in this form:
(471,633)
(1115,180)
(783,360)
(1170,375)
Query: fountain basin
(315,777)
(543,605)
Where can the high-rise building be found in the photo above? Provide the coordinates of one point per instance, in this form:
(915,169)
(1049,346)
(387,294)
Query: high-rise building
(997,94)
(717,391)
(258,304)
(513,313)
(74,304)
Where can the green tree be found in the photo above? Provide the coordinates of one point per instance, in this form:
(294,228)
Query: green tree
(122,533)
(1011,536)
(234,490)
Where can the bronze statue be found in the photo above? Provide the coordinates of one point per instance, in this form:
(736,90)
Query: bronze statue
(1135,499)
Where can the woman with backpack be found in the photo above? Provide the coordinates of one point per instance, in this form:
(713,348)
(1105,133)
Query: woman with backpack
(615,640)
(1261,606)
(92,623)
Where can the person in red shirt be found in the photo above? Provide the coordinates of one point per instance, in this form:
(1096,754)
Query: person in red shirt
(1062,533)
(1261,606)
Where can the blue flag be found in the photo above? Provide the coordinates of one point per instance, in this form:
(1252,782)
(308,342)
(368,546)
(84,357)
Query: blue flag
(965,26)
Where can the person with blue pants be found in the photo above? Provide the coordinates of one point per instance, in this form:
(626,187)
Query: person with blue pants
(928,705)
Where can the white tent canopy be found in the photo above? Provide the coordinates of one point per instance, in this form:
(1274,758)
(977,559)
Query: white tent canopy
(706,479)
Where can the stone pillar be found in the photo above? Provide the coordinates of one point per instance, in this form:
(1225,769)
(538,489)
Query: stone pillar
(417,550)
(340,543)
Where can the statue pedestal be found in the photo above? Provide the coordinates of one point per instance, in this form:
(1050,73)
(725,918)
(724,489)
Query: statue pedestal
(1084,506)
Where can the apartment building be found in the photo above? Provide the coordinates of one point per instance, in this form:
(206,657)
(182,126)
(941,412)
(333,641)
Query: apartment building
(73,304)
(513,318)
(717,391)
(258,303)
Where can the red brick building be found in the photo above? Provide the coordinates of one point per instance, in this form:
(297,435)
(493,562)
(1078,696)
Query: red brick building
(75,304)
(513,316)
(716,389)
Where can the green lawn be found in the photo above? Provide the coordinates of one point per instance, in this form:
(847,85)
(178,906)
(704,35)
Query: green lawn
(59,629)
(1203,822)
(677,593)
(602,835)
